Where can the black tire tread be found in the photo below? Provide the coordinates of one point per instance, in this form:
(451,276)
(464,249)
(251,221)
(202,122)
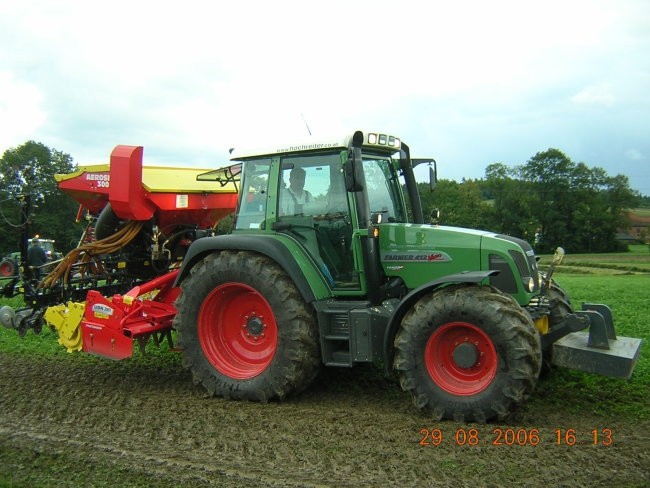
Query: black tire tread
(560,305)
(517,343)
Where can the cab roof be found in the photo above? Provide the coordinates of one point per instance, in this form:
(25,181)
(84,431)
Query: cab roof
(375,140)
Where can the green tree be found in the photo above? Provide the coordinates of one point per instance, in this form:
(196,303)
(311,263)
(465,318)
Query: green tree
(567,204)
(574,206)
(511,211)
(549,176)
(460,204)
(28,170)
(617,197)
(643,201)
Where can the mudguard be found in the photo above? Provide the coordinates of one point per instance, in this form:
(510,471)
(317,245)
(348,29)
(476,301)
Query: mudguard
(271,247)
(409,300)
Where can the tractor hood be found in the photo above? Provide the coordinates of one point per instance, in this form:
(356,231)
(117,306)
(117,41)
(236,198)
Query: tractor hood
(420,253)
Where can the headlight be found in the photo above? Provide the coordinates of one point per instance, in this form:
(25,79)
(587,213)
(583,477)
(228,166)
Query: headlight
(529,284)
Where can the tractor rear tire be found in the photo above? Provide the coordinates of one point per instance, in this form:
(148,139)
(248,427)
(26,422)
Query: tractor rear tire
(467,353)
(245,331)
(8,268)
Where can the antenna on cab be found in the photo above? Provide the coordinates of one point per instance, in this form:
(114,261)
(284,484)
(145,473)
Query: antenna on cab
(306,125)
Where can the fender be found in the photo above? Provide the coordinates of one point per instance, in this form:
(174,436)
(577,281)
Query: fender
(272,248)
(470,277)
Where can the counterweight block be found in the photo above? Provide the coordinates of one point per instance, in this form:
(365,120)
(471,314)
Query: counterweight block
(599,350)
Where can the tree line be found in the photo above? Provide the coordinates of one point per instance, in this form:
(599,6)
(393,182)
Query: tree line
(29,193)
(549,201)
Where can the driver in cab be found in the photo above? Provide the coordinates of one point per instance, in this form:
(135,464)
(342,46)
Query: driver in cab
(295,197)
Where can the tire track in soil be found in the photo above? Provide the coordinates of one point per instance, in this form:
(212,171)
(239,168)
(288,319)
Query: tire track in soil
(153,420)
(186,471)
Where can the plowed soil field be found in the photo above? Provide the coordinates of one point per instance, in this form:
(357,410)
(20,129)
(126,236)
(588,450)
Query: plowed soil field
(76,420)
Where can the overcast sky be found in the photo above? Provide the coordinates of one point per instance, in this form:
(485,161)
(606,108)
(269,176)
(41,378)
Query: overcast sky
(467,82)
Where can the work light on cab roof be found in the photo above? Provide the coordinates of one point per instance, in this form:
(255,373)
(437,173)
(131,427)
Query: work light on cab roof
(374,139)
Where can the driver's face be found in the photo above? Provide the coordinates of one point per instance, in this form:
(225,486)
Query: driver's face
(297,180)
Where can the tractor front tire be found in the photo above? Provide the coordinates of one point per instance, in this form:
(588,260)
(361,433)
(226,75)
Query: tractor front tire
(244,329)
(560,304)
(467,353)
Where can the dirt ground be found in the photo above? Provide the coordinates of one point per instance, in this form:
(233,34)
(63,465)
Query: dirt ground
(66,421)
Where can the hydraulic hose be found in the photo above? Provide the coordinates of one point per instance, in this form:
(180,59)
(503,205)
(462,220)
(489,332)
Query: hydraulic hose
(86,253)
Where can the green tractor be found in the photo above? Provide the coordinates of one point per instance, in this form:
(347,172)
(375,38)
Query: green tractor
(331,262)
(10,265)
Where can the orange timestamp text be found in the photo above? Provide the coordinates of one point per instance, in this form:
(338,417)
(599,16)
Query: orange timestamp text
(500,436)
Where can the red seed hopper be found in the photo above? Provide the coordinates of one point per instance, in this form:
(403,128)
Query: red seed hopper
(136,192)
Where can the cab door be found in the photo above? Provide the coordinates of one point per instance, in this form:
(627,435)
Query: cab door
(314,207)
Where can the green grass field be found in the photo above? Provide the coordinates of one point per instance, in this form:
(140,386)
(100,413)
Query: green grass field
(637,260)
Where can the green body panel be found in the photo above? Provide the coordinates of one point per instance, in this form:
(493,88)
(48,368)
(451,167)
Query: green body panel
(495,244)
(419,254)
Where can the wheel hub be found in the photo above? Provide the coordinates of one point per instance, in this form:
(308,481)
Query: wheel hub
(254,326)
(237,330)
(465,355)
(460,358)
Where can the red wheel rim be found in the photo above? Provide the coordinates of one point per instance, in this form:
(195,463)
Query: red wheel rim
(461,358)
(237,331)
(6,269)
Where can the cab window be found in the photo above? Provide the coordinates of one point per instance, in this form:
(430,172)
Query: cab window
(313,200)
(383,187)
(254,194)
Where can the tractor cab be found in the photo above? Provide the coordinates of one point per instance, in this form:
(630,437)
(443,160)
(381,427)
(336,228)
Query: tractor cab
(320,197)
(48,247)
(302,197)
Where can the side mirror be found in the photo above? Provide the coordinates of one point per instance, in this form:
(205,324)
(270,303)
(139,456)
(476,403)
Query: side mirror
(433,175)
(353,170)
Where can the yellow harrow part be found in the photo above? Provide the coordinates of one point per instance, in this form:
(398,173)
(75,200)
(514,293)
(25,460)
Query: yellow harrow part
(66,319)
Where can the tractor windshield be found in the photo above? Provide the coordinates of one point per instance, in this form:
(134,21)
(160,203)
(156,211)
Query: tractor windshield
(384,189)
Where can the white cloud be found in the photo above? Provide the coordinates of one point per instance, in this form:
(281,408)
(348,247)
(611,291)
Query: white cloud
(634,155)
(470,82)
(595,95)
(21,114)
